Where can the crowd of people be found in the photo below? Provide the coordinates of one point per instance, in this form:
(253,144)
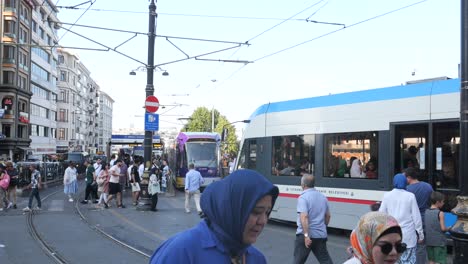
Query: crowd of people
(408,227)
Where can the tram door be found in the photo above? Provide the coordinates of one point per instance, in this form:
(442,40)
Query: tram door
(411,148)
(432,148)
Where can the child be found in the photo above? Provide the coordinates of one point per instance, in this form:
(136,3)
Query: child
(435,230)
(163,183)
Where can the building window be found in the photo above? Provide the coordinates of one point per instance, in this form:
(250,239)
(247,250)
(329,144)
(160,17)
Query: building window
(10,3)
(39,72)
(41,53)
(23,82)
(34,26)
(61,59)
(293,155)
(9,54)
(62,115)
(23,35)
(39,92)
(54,97)
(61,133)
(6,130)
(22,131)
(63,76)
(53,133)
(49,40)
(8,77)
(353,155)
(34,131)
(9,28)
(23,60)
(24,14)
(63,96)
(41,32)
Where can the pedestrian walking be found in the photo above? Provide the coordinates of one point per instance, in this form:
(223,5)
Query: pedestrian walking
(14,181)
(35,185)
(402,205)
(376,239)
(70,185)
(103,185)
(135,182)
(422,192)
(313,216)
(153,190)
(435,230)
(229,230)
(90,183)
(4,183)
(166,173)
(193,181)
(114,185)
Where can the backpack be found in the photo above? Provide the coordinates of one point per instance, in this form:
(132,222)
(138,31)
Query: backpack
(5,181)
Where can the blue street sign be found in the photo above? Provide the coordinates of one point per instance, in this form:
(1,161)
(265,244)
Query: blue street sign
(151,122)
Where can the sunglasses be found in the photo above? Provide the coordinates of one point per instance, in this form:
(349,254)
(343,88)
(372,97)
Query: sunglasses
(386,247)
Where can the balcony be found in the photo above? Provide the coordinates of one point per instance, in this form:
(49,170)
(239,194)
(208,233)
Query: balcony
(9,60)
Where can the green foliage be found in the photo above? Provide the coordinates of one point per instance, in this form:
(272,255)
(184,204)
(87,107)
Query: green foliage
(200,121)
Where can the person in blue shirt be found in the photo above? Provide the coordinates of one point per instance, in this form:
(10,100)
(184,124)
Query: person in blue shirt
(236,210)
(193,181)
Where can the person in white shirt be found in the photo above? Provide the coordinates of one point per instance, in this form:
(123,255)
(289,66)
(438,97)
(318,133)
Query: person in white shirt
(402,205)
(113,159)
(98,166)
(193,181)
(129,171)
(114,185)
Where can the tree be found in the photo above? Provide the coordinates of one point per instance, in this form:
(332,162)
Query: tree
(201,121)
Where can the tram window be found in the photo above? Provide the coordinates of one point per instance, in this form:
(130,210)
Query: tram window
(352,155)
(293,155)
(248,155)
(446,145)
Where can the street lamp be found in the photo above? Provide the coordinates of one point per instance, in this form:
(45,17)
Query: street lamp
(143,69)
(225,133)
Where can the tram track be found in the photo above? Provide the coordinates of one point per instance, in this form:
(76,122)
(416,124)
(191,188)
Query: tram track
(46,247)
(109,236)
(53,254)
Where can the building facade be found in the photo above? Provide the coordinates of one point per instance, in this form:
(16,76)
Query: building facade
(43,80)
(15,76)
(105,123)
(78,107)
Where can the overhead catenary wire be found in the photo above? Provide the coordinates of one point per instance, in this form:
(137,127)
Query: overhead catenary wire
(265,31)
(340,29)
(78,19)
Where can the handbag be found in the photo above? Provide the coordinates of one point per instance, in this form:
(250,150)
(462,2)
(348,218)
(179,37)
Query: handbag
(100,181)
(5,181)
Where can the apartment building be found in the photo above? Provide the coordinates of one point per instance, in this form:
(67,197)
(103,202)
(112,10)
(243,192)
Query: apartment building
(43,80)
(105,122)
(15,76)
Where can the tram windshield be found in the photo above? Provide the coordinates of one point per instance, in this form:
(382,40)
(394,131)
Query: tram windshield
(202,154)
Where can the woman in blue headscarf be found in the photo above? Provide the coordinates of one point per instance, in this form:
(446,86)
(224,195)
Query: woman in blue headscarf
(402,205)
(236,211)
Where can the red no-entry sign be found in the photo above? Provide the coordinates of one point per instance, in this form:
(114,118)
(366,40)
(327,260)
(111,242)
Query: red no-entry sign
(151,104)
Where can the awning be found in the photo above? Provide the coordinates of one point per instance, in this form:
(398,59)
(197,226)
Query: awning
(24,148)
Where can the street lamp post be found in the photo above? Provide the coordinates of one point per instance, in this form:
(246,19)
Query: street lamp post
(225,132)
(148,140)
(459,231)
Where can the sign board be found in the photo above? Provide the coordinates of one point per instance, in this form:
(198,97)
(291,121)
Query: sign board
(151,122)
(151,104)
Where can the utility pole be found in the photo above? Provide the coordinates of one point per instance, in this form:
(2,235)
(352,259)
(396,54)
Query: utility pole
(459,231)
(148,140)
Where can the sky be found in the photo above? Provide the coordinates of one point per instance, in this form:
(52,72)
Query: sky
(418,42)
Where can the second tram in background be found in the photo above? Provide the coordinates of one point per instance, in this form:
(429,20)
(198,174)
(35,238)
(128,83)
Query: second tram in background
(354,143)
(203,150)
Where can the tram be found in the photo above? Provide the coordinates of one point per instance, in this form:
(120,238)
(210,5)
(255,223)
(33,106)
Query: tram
(203,150)
(354,143)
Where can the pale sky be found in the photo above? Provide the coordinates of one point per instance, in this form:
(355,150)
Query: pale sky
(424,38)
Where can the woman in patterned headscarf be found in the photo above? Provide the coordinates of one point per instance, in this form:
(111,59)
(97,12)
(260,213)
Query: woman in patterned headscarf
(376,239)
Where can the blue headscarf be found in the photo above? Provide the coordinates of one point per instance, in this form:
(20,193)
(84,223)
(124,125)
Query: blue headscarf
(399,181)
(227,205)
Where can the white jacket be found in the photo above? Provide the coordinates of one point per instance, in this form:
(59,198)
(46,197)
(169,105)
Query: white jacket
(402,205)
